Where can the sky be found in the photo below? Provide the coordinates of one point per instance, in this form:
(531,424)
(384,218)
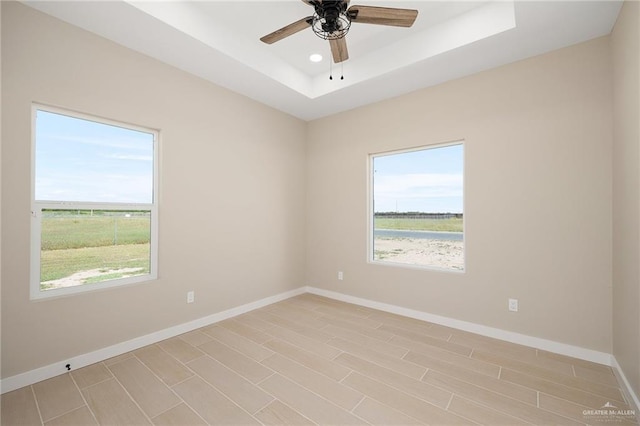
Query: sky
(427,180)
(86,161)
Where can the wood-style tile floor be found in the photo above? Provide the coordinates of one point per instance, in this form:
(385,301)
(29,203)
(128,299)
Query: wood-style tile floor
(312,360)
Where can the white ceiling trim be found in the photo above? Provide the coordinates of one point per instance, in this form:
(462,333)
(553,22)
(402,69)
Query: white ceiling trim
(219,41)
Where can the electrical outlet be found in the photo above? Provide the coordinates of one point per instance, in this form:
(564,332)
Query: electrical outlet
(513,305)
(190,296)
(340,275)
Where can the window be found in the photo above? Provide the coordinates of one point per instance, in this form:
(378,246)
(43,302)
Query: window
(417,207)
(94,212)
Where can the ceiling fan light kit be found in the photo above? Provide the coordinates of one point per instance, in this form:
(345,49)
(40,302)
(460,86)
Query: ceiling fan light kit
(332,20)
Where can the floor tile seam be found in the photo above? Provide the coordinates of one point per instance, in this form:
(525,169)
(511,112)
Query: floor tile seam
(449,402)
(511,358)
(485,376)
(421,332)
(241,377)
(235,350)
(499,394)
(481,403)
(437,346)
(245,337)
(154,375)
(565,400)
(373,341)
(494,409)
(357,404)
(278,325)
(289,330)
(265,405)
(292,409)
(401,390)
(369,350)
(313,369)
(183,380)
(542,366)
(96,383)
(172,355)
(286,319)
(599,382)
(433,347)
(185,403)
(383,366)
(180,401)
(224,395)
(569,387)
(305,351)
(357,330)
(522,369)
(248,314)
(576,362)
(310,391)
(35,400)
(133,399)
(86,403)
(286,376)
(446,362)
(35,396)
(238,335)
(557,413)
(392,408)
(234,402)
(523,402)
(373,344)
(352,321)
(145,364)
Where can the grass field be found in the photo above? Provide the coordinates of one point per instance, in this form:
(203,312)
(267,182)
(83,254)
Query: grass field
(449,225)
(78,241)
(81,230)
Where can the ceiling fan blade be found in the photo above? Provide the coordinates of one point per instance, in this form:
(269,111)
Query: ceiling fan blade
(383,15)
(288,30)
(339,50)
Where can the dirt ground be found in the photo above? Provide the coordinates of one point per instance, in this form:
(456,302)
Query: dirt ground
(421,251)
(81,277)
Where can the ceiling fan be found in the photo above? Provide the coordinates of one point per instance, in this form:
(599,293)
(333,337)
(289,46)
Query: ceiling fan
(332,19)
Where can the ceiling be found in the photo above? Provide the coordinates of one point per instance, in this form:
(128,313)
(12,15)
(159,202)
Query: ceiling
(219,41)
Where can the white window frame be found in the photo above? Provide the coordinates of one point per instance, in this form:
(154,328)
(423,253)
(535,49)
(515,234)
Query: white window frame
(38,206)
(371,213)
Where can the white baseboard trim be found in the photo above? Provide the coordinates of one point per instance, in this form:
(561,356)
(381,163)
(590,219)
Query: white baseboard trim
(496,333)
(43,373)
(55,369)
(629,394)
(509,336)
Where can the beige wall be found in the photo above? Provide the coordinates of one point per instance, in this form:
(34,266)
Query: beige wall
(232,191)
(625,47)
(539,175)
(537,196)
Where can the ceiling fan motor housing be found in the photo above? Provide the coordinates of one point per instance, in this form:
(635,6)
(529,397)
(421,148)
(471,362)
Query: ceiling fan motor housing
(331,20)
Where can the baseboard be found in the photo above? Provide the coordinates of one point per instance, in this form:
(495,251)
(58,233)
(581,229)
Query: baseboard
(629,394)
(56,369)
(52,370)
(509,336)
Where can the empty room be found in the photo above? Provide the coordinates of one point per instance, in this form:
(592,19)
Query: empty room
(320,212)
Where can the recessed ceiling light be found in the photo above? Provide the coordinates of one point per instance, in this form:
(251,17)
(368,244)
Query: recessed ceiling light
(316,57)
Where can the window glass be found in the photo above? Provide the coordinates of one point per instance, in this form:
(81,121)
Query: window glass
(83,160)
(94,217)
(417,207)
